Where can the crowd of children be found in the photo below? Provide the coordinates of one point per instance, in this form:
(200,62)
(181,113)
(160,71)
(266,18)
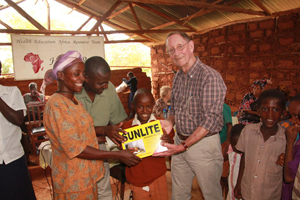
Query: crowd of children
(263,157)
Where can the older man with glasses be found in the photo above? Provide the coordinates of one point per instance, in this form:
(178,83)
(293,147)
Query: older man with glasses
(197,99)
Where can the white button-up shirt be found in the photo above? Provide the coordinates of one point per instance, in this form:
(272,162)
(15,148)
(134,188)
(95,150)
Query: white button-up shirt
(10,135)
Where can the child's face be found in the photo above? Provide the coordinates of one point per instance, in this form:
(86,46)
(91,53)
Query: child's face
(270,112)
(143,107)
(294,109)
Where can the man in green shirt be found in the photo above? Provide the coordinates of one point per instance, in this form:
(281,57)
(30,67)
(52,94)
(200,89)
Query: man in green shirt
(100,99)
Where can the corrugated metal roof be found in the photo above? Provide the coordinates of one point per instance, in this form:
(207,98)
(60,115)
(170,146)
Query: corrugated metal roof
(180,15)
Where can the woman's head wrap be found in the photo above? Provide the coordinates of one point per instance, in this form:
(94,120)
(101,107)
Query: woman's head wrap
(65,60)
(262,83)
(61,63)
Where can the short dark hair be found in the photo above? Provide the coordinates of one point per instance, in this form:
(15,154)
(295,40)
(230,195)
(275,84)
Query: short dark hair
(236,130)
(130,74)
(295,98)
(271,93)
(141,92)
(96,64)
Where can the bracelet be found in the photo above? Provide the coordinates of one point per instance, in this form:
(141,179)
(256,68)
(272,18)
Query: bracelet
(184,145)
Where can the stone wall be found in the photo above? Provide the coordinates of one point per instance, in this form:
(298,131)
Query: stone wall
(242,53)
(116,79)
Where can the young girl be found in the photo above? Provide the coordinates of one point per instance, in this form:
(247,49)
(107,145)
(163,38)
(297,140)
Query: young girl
(261,144)
(147,179)
(292,152)
(234,159)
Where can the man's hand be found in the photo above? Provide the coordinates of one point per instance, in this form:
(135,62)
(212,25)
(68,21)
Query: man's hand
(128,158)
(112,132)
(172,149)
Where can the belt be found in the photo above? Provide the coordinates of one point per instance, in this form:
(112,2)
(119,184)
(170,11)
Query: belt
(183,137)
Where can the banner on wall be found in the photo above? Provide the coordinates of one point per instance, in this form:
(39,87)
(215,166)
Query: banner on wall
(34,55)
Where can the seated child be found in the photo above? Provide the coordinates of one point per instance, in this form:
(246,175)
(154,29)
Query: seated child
(292,152)
(234,158)
(261,144)
(147,179)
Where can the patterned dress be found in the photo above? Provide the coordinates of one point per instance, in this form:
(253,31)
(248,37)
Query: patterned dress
(71,129)
(245,105)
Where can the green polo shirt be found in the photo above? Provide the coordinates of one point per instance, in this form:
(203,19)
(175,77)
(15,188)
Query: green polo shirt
(226,119)
(106,108)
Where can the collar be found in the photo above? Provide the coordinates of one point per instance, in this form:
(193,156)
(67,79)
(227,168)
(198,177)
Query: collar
(83,95)
(136,122)
(280,133)
(3,90)
(193,69)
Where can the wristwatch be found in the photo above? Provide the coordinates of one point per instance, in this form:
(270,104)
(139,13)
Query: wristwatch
(184,145)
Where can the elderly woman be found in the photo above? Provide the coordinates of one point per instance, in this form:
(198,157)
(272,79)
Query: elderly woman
(76,165)
(162,103)
(247,113)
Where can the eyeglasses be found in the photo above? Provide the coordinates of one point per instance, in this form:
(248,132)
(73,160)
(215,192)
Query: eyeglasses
(178,48)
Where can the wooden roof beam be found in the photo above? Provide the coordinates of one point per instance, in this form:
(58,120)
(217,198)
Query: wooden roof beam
(26,31)
(106,21)
(135,17)
(164,16)
(188,18)
(87,21)
(103,17)
(25,15)
(5,25)
(199,13)
(198,4)
(261,6)
(102,29)
(206,11)
(48,15)
(78,4)
(8,6)
(119,12)
(163,25)
(120,27)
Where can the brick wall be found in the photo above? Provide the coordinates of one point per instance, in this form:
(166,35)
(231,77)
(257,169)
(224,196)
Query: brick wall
(243,53)
(116,79)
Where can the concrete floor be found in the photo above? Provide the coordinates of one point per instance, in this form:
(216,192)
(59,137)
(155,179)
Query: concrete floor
(42,185)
